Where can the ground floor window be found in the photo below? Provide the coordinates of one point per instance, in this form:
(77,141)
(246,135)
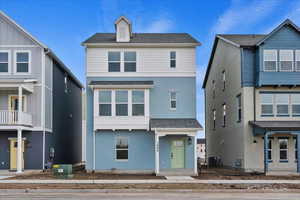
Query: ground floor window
(270,150)
(283,149)
(296,149)
(121,148)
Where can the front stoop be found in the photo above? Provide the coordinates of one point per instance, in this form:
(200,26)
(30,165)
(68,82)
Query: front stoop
(176,172)
(282,173)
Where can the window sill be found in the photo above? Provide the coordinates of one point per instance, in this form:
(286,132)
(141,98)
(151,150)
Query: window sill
(282,115)
(121,160)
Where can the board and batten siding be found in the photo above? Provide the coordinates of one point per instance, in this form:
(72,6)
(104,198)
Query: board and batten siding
(155,60)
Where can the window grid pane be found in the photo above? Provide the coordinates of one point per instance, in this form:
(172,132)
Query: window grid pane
(22,62)
(3,57)
(172,59)
(283,149)
(121,148)
(286,58)
(270,60)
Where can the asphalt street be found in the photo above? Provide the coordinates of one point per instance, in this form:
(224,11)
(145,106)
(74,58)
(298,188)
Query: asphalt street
(55,194)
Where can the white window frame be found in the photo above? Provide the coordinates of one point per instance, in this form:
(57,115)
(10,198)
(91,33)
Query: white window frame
(129,103)
(273,105)
(174,99)
(9,62)
(116,149)
(297,59)
(287,150)
(114,61)
(111,103)
(123,61)
(291,102)
(285,50)
(139,103)
(276,60)
(29,62)
(175,59)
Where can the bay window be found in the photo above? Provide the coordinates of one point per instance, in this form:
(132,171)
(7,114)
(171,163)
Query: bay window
(270,60)
(121,103)
(138,103)
(286,59)
(266,104)
(282,104)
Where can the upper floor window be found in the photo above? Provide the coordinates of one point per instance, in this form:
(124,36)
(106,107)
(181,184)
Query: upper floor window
(4,61)
(297,60)
(282,104)
(121,103)
(239,108)
(214,119)
(138,103)
(129,61)
(22,64)
(114,61)
(173,99)
(266,104)
(270,60)
(173,59)
(214,88)
(105,101)
(286,59)
(224,115)
(224,79)
(295,100)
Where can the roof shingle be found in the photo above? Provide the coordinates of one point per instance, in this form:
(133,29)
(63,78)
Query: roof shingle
(175,123)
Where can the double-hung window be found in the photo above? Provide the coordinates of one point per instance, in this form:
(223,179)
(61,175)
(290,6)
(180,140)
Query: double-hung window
(214,119)
(129,61)
(297,60)
(173,100)
(286,59)
(173,59)
(22,62)
(114,61)
(121,148)
(282,104)
(121,103)
(4,61)
(138,103)
(283,149)
(224,115)
(266,104)
(105,102)
(295,101)
(270,60)
(270,150)
(239,108)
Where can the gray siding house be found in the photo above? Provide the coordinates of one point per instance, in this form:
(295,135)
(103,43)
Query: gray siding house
(40,103)
(252,100)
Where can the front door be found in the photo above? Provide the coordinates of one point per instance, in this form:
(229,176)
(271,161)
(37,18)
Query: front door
(13,154)
(177,153)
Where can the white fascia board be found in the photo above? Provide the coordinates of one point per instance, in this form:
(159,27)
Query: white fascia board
(119,44)
(121,86)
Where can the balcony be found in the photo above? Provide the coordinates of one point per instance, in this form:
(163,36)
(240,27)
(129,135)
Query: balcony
(9,118)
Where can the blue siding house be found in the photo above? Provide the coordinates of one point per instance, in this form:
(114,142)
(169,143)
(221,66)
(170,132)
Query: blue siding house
(262,100)
(141,102)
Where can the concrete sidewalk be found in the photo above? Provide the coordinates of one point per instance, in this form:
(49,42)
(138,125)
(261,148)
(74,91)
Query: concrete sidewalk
(153,181)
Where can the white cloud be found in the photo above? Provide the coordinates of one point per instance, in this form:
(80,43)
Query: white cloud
(240,15)
(161,25)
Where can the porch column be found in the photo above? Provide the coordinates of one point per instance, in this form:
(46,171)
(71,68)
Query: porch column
(19,151)
(156,154)
(298,152)
(195,156)
(266,160)
(20,103)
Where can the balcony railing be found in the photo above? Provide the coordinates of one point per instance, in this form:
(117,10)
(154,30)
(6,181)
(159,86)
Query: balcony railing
(13,118)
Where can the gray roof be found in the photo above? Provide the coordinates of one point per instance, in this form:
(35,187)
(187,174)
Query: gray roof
(144,38)
(277,125)
(121,83)
(201,141)
(174,123)
(243,39)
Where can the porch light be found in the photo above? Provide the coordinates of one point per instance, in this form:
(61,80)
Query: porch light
(189,140)
(254,141)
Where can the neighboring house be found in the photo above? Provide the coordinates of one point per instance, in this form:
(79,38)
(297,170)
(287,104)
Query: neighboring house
(252,97)
(201,149)
(40,103)
(141,101)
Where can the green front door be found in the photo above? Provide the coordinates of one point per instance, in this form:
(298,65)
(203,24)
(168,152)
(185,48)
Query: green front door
(177,153)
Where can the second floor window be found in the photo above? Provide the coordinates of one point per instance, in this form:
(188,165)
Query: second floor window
(224,79)
(138,103)
(295,101)
(122,103)
(4,62)
(297,60)
(129,61)
(270,60)
(224,115)
(114,61)
(266,104)
(105,102)
(173,99)
(173,59)
(282,104)
(239,108)
(286,59)
(22,62)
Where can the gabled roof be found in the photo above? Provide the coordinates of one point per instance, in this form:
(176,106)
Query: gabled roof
(47,50)
(140,38)
(243,41)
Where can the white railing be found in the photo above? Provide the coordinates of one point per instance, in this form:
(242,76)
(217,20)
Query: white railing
(12,118)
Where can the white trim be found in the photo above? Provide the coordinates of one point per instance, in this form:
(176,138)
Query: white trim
(121,86)
(18,46)
(141,74)
(119,44)
(297,59)
(9,62)
(94,150)
(287,149)
(14,138)
(195,156)
(115,148)
(156,149)
(276,60)
(43,113)
(280,60)
(29,62)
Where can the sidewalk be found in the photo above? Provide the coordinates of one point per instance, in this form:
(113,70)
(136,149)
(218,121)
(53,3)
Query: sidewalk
(153,181)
